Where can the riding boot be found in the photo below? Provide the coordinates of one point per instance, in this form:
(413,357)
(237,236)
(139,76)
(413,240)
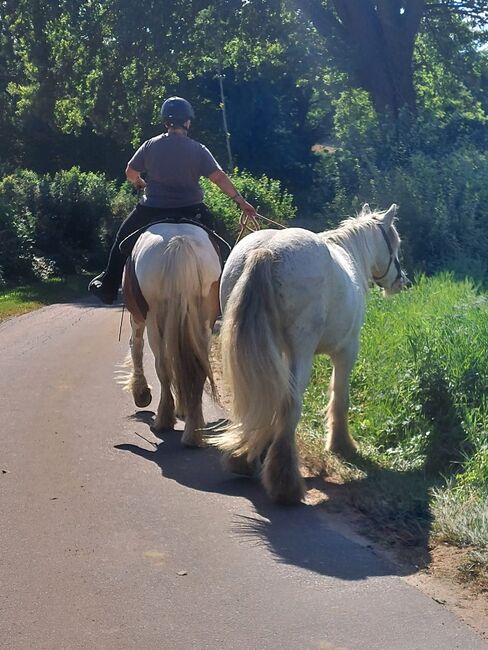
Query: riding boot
(106,285)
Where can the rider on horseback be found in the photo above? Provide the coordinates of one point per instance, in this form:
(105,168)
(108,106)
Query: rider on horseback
(172,164)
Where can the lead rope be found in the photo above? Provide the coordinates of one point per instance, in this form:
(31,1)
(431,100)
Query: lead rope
(121,320)
(254,226)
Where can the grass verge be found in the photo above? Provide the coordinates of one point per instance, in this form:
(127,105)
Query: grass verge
(15,301)
(419,409)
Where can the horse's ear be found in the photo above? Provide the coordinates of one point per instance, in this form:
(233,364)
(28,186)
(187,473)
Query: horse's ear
(366,209)
(390,215)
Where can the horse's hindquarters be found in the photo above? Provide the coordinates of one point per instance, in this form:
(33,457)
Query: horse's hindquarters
(133,298)
(177,269)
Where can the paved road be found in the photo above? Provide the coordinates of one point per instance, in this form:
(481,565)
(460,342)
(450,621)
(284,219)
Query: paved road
(109,541)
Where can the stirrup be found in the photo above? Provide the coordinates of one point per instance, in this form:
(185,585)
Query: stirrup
(102,293)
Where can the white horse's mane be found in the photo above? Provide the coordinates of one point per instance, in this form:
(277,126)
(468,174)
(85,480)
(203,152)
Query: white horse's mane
(353,226)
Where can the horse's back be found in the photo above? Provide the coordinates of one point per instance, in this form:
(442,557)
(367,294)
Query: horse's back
(301,259)
(316,295)
(302,266)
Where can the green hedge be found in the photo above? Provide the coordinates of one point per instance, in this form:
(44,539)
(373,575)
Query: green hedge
(264,193)
(64,223)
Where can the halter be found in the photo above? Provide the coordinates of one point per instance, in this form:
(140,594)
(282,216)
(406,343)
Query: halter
(393,258)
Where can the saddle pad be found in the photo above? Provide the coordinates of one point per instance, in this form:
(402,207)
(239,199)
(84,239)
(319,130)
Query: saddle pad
(133,298)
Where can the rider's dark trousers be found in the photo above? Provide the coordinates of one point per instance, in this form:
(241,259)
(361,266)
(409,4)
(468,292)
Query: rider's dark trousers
(141,217)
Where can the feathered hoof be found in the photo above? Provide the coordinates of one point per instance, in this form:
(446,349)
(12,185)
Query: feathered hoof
(143,398)
(344,447)
(284,485)
(240,465)
(290,495)
(164,424)
(193,439)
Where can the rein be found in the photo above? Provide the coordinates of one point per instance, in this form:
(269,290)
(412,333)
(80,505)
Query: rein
(250,223)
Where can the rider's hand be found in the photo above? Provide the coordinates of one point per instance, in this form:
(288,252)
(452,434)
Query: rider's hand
(248,212)
(139,183)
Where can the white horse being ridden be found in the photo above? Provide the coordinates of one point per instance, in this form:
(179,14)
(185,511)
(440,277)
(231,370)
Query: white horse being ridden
(177,270)
(288,295)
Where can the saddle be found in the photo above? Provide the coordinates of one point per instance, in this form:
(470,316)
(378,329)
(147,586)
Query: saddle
(222,248)
(133,298)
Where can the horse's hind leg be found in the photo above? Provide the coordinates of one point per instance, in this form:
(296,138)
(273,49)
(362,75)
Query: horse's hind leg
(137,382)
(281,475)
(213,304)
(241,465)
(339,440)
(165,417)
(194,422)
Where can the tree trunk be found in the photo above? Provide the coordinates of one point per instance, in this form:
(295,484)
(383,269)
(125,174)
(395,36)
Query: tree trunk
(378,38)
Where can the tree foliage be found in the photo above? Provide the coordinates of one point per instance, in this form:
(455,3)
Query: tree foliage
(374,41)
(373,84)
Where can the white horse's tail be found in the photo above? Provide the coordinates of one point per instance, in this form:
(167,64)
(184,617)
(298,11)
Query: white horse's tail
(182,323)
(255,367)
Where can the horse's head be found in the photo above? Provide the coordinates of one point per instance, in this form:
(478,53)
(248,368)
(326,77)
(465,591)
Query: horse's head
(387,272)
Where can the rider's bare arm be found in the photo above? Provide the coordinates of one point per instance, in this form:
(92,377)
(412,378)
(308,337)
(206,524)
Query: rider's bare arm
(224,183)
(134,177)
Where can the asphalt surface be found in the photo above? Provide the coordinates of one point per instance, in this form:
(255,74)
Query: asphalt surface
(111,538)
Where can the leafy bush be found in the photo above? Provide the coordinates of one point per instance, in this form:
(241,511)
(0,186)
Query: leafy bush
(66,222)
(19,205)
(54,224)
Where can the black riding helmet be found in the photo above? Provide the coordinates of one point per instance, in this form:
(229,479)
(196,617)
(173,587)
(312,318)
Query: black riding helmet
(176,111)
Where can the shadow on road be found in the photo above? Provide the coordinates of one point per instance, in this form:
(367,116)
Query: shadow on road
(299,535)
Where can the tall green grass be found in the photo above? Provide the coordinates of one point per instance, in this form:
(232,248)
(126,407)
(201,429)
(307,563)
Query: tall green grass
(419,402)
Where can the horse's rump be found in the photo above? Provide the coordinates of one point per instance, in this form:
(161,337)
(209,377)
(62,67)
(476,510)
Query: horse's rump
(221,247)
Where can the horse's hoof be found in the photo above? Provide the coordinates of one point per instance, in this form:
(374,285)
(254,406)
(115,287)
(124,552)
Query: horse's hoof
(288,497)
(143,399)
(240,465)
(346,449)
(164,424)
(193,441)
(283,485)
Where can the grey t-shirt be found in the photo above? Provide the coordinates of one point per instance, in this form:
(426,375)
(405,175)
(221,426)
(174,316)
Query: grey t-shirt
(173,165)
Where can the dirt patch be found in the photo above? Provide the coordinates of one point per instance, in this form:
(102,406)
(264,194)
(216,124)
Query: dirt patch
(216,363)
(442,580)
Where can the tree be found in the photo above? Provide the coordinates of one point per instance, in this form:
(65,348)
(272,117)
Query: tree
(374,40)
